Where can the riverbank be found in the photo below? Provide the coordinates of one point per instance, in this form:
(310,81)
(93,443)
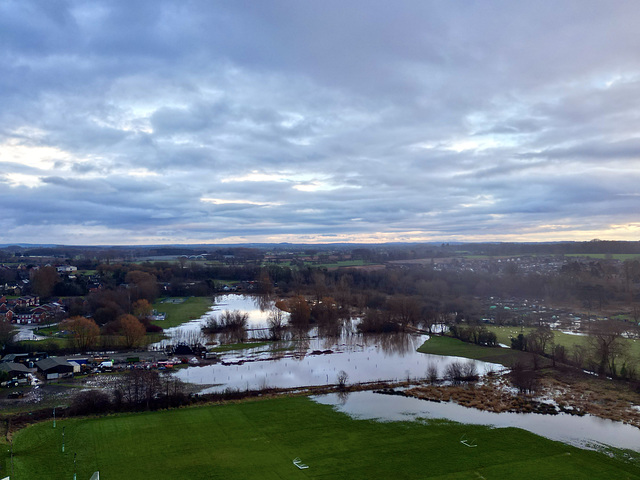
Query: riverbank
(573,394)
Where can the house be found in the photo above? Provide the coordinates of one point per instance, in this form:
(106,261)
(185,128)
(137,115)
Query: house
(38,314)
(66,269)
(6,313)
(54,367)
(28,301)
(15,371)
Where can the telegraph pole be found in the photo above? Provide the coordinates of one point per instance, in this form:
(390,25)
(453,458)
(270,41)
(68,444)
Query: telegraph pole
(63,439)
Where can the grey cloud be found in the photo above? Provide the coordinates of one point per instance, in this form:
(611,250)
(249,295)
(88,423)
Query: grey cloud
(422,116)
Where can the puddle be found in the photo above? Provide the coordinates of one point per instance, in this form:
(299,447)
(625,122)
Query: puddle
(26,332)
(584,432)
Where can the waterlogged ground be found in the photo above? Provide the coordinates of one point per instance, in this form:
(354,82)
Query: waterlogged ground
(585,432)
(307,361)
(256,307)
(319,361)
(315,361)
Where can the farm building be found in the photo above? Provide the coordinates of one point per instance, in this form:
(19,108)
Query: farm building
(16,371)
(54,367)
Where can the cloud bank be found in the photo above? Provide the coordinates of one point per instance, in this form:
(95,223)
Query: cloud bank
(365,121)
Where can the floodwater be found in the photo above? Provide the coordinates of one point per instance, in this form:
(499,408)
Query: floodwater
(319,361)
(27,332)
(310,360)
(257,308)
(584,432)
(366,358)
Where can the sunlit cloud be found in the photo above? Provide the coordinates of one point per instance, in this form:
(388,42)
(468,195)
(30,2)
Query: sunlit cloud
(43,157)
(22,180)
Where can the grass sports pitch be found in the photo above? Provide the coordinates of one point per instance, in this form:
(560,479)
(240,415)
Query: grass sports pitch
(261,440)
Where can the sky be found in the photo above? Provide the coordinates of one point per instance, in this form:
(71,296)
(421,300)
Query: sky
(187,121)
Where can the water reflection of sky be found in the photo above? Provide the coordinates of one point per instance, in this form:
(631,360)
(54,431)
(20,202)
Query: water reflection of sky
(293,363)
(257,308)
(369,358)
(584,432)
(363,358)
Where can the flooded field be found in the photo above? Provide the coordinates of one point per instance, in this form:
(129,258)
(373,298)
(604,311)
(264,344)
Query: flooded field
(315,360)
(257,308)
(584,432)
(311,360)
(319,361)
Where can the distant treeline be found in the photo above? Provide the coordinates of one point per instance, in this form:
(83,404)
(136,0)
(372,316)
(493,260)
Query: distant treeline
(374,253)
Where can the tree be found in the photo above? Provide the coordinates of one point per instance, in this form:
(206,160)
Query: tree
(84,332)
(142,285)
(276,324)
(43,280)
(142,309)
(538,340)
(405,310)
(265,284)
(607,345)
(523,378)
(326,315)
(132,330)
(343,377)
(7,333)
(299,312)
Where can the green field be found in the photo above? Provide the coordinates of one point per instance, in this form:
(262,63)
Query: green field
(260,439)
(237,346)
(504,335)
(614,256)
(178,313)
(439,345)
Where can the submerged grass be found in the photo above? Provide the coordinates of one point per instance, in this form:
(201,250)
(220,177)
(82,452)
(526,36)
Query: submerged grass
(260,439)
(179,313)
(237,346)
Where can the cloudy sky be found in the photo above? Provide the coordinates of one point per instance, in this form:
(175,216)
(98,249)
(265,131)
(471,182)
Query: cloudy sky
(137,122)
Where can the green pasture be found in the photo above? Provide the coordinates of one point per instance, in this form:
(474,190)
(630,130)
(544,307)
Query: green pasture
(260,440)
(613,256)
(341,263)
(505,334)
(338,264)
(441,345)
(49,331)
(178,313)
(237,346)
(48,345)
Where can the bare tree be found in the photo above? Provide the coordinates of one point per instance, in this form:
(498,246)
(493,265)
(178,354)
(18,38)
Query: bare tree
(432,372)
(232,322)
(523,378)
(7,333)
(276,324)
(607,345)
(343,377)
